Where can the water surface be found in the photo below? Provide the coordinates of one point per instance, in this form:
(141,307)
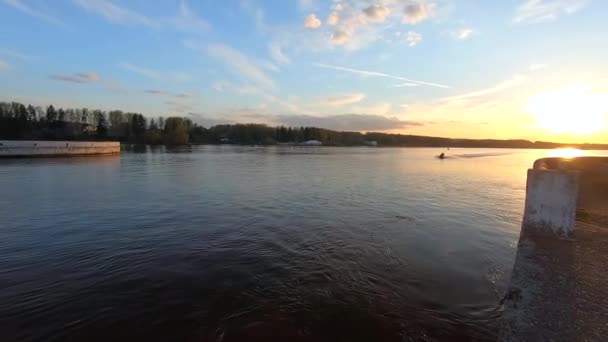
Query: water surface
(257,243)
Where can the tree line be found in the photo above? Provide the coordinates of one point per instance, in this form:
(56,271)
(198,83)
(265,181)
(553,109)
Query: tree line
(20,122)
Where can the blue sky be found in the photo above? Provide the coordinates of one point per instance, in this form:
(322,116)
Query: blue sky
(460,68)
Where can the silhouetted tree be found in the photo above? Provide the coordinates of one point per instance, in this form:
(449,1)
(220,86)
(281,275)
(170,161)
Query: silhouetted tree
(176,132)
(51,114)
(31,113)
(102,125)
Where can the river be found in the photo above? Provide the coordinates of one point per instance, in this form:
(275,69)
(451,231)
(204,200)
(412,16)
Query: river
(229,243)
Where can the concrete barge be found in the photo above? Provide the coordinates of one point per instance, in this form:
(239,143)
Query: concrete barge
(32,148)
(559,284)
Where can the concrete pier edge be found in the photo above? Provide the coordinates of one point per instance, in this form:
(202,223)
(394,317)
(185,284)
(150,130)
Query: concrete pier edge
(39,148)
(559,287)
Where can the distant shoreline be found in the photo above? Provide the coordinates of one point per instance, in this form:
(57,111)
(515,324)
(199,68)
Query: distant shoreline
(574,146)
(20,122)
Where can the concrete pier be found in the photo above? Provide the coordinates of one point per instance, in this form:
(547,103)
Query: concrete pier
(559,284)
(12,148)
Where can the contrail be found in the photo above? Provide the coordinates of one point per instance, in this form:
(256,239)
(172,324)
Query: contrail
(377,74)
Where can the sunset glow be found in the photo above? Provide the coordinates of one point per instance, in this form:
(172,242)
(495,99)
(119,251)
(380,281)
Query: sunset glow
(574,110)
(443,68)
(566,153)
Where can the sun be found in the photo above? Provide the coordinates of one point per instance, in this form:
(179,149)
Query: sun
(566,153)
(573,110)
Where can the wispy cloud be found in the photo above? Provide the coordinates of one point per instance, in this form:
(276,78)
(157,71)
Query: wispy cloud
(168,93)
(268,65)
(179,107)
(368,73)
(343,99)
(374,109)
(258,15)
(287,105)
(185,20)
(405,84)
(170,76)
(14,54)
(4,65)
(462,34)
(115,13)
(89,78)
(188,21)
(21,6)
(77,78)
(239,65)
(413,38)
(512,82)
(277,54)
(537,11)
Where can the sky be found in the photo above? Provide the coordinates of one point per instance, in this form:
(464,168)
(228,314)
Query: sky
(508,69)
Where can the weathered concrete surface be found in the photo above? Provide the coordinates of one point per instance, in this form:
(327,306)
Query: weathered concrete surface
(559,285)
(10,148)
(551,198)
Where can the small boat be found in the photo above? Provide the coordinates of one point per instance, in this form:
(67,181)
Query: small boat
(442,156)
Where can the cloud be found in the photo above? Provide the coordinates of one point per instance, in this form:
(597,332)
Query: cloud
(537,11)
(338,7)
(178,107)
(177,77)
(360,23)
(312,22)
(347,122)
(416,11)
(185,20)
(462,34)
(238,64)
(277,54)
(250,7)
(343,99)
(20,6)
(333,19)
(376,109)
(504,85)
(89,76)
(221,86)
(368,73)
(168,93)
(77,78)
(4,65)
(188,21)
(114,13)
(340,37)
(376,13)
(413,38)
(405,84)
(14,53)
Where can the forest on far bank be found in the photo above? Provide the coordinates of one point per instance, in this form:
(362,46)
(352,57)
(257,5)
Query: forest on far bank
(20,122)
